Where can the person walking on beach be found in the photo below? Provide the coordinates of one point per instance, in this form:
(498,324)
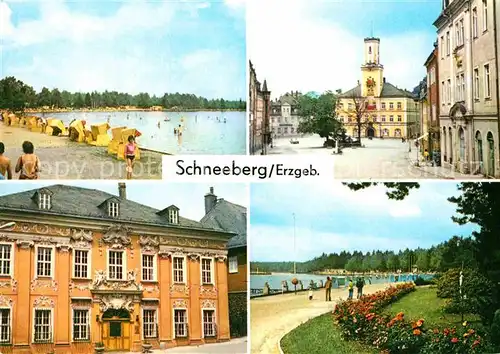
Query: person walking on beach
(130,155)
(328,289)
(351,289)
(359,285)
(179,134)
(28,164)
(5,167)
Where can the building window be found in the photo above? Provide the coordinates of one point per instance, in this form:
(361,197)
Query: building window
(462,82)
(485,15)
(476,83)
(443,91)
(233,264)
(448,43)
(461,32)
(178,265)
(44,262)
(209,323)
(206,271)
(81,264)
(81,326)
(173,216)
(487,82)
(113,209)
(180,323)
(391,118)
(391,106)
(149,321)
(43,326)
(44,201)
(5,326)
(400,118)
(116,265)
(383,118)
(449,91)
(442,47)
(148,267)
(475,25)
(399,106)
(383,105)
(5,260)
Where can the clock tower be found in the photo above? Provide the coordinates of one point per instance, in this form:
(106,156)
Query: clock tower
(372,71)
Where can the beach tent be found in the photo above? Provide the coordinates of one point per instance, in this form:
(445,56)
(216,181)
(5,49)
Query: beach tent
(124,140)
(77,131)
(55,127)
(115,140)
(12,120)
(99,135)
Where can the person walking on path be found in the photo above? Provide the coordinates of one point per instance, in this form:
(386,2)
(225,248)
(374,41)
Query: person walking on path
(359,285)
(28,164)
(5,167)
(130,156)
(351,288)
(328,289)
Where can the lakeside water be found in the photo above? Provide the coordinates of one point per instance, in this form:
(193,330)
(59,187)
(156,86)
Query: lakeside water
(203,133)
(274,280)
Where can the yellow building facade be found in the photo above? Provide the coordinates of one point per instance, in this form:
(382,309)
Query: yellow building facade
(81,267)
(383,109)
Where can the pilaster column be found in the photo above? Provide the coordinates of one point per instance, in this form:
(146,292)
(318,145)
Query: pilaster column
(63,276)
(22,318)
(195,331)
(223,299)
(165,310)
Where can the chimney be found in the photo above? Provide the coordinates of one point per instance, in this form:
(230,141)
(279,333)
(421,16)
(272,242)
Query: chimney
(210,200)
(122,190)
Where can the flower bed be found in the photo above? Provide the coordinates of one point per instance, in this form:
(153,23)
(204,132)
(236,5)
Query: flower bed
(362,320)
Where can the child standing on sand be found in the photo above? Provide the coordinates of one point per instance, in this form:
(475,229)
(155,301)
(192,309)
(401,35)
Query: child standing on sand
(130,156)
(28,164)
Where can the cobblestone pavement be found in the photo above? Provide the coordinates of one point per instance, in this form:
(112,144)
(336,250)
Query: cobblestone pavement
(63,159)
(378,159)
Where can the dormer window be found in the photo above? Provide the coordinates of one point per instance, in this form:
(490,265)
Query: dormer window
(44,201)
(113,209)
(173,216)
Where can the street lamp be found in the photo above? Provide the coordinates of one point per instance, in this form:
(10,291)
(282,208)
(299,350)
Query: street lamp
(294,252)
(7,225)
(460,282)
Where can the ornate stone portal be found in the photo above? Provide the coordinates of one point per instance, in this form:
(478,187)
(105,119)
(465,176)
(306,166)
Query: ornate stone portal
(117,302)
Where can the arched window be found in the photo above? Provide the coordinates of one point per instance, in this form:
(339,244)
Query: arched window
(445,147)
(385,132)
(479,149)
(461,139)
(369,50)
(491,154)
(397,133)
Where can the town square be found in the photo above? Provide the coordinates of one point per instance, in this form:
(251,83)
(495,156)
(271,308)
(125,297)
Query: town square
(428,82)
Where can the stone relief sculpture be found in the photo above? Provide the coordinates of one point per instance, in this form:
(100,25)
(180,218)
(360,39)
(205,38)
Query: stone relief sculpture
(43,301)
(148,243)
(99,278)
(208,304)
(117,237)
(116,301)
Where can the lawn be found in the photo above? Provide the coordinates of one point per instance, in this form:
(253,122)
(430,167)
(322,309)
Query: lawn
(320,336)
(424,303)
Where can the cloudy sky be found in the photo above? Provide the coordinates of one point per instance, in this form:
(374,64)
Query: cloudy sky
(318,45)
(188,197)
(129,46)
(332,219)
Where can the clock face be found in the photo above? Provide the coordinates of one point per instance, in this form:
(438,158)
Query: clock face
(370,82)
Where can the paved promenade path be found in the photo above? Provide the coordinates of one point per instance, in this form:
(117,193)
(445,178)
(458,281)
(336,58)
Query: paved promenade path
(64,159)
(273,316)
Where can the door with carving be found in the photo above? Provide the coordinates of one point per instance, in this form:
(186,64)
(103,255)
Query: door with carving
(116,330)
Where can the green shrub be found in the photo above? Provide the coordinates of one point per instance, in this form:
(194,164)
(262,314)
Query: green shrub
(495,329)
(421,281)
(238,314)
(478,293)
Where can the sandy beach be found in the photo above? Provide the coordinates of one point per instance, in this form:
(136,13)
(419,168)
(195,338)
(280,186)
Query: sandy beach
(63,159)
(273,316)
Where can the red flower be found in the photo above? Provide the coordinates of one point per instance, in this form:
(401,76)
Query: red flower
(454,340)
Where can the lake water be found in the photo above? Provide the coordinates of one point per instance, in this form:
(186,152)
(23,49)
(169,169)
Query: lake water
(257,281)
(204,133)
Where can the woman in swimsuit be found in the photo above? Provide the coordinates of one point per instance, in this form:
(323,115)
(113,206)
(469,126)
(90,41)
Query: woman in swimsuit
(130,155)
(28,164)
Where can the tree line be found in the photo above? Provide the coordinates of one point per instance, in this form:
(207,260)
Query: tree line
(434,259)
(17,96)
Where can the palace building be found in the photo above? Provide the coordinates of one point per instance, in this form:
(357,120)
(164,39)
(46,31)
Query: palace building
(383,109)
(81,266)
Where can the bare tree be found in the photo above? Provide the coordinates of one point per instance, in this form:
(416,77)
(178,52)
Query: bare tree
(361,107)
